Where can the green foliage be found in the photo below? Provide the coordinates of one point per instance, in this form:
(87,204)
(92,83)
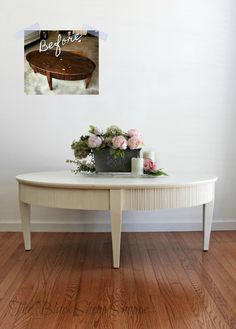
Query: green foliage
(107,142)
(158,172)
(91,129)
(117,153)
(83,166)
(114,131)
(81,148)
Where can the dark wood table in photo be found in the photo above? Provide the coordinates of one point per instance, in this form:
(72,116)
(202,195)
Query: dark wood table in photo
(67,66)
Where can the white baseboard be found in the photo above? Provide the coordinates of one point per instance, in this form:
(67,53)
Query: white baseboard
(219,224)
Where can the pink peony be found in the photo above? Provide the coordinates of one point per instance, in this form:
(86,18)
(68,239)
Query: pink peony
(149,165)
(98,131)
(135,142)
(119,142)
(133,132)
(94,141)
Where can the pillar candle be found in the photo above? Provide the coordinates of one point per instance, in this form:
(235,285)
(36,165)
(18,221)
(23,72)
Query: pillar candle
(137,166)
(149,155)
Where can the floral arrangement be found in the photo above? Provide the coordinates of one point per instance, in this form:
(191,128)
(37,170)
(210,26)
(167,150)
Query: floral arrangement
(113,138)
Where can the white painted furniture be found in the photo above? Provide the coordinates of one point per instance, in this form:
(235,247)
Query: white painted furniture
(63,189)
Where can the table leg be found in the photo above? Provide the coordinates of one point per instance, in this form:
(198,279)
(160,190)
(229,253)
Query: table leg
(49,77)
(207,223)
(116,220)
(87,81)
(25,222)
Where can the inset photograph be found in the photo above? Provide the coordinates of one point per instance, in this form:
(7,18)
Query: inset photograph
(62,62)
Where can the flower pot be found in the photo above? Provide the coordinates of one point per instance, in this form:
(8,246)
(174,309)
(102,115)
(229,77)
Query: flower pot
(104,162)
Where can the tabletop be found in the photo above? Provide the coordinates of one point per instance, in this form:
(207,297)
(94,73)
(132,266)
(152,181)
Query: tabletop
(68,63)
(67,179)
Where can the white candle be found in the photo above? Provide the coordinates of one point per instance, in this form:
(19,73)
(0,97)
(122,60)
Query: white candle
(137,166)
(149,155)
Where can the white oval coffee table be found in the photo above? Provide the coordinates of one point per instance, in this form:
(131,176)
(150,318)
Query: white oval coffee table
(63,189)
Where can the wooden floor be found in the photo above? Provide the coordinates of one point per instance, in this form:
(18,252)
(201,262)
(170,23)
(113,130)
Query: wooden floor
(165,281)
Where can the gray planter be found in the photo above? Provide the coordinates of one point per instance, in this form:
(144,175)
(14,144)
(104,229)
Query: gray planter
(104,162)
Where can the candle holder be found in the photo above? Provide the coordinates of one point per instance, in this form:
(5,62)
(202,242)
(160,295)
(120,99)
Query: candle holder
(137,166)
(149,155)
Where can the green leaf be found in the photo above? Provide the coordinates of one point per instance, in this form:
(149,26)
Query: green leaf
(158,172)
(91,129)
(117,153)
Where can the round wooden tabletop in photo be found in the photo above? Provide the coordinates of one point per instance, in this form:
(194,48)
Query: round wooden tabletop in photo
(67,66)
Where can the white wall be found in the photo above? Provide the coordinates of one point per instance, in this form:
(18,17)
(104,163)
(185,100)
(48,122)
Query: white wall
(167,68)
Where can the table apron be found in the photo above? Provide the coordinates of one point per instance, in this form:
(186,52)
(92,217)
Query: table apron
(164,198)
(131,199)
(65,198)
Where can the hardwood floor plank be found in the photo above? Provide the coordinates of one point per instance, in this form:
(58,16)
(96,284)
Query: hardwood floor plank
(170,301)
(203,285)
(225,236)
(224,282)
(128,294)
(9,305)
(215,284)
(52,293)
(173,289)
(111,290)
(65,318)
(133,311)
(87,300)
(158,302)
(8,246)
(192,300)
(12,264)
(158,315)
(226,259)
(47,285)
(35,289)
(144,308)
(100,304)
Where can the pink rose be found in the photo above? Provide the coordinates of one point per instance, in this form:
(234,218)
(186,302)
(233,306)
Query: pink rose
(98,131)
(149,165)
(135,142)
(134,132)
(119,142)
(94,141)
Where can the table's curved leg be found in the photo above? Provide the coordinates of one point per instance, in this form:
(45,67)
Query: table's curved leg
(49,77)
(87,81)
(116,220)
(25,222)
(207,223)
